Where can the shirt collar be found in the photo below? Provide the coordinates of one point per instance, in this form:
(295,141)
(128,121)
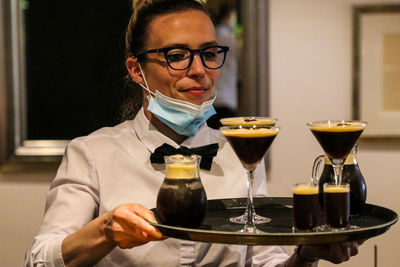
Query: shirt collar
(148,134)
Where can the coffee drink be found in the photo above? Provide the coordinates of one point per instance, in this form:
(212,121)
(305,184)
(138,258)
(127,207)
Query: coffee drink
(338,139)
(250,144)
(337,205)
(182,200)
(305,206)
(351,174)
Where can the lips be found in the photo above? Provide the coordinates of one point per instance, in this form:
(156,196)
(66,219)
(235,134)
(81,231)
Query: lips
(194,90)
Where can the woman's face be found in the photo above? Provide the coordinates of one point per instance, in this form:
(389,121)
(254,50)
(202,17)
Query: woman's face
(192,29)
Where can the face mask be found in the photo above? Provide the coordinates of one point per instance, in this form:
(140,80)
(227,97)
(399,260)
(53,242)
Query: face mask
(183,117)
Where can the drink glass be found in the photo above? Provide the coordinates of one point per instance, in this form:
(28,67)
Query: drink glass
(305,206)
(182,200)
(248,121)
(336,205)
(337,138)
(250,143)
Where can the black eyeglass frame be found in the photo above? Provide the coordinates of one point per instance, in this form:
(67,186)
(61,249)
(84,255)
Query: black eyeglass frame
(200,51)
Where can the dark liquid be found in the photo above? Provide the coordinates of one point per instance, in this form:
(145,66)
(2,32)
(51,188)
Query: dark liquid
(305,211)
(337,145)
(250,150)
(358,188)
(182,202)
(337,209)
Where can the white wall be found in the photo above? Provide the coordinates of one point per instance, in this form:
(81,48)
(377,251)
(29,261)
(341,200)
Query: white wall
(23,193)
(310,79)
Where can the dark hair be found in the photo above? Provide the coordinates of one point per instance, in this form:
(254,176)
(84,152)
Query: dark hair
(145,11)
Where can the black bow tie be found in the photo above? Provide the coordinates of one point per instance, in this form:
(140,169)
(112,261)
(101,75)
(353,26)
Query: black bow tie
(206,152)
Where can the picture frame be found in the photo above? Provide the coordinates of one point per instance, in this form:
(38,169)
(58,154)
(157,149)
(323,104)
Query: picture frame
(376,69)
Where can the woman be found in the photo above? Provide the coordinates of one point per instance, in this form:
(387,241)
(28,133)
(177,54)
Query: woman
(90,219)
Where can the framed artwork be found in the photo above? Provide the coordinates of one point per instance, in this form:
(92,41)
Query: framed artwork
(376,69)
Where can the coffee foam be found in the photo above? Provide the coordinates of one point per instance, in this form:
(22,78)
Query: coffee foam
(250,132)
(336,189)
(338,127)
(305,190)
(237,121)
(181,171)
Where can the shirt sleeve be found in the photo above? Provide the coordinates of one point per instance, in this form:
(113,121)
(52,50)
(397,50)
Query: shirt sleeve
(45,250)
(71,202)
(265,256)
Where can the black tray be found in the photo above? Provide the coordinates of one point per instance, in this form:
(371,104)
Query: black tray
(216,227)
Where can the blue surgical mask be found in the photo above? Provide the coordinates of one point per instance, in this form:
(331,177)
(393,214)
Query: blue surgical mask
(183,117)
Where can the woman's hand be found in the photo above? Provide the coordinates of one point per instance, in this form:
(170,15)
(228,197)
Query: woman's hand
(335,252)
(127,226)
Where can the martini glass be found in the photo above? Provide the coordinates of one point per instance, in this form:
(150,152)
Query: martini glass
(248,121)
(250,144)
(337,138)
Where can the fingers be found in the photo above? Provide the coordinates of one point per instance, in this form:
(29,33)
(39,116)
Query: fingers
(338,253)
(141,216)
(346,247)
(360,242)
(354,247)
(130,226)
(143,212)
(138,219)
(335,252)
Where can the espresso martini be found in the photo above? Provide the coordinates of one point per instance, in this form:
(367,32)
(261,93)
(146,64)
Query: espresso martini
(250,144)
(337,138)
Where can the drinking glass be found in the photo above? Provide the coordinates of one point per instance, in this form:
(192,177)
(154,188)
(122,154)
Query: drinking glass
(248,121)
(337,138)
(336,205)
(250,144)
(305,206)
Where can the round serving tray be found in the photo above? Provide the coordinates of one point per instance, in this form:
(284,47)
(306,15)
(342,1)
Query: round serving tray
(216,227)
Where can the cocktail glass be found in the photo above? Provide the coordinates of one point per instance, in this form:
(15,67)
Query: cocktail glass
(248,121)
(250,144)
(337,138)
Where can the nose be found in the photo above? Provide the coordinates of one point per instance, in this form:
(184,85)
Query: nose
(197,67)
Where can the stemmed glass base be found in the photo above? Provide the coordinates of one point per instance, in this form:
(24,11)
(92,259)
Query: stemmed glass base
(242,219)
(250,218)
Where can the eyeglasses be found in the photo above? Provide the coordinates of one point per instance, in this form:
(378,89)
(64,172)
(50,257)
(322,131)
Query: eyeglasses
(181,58)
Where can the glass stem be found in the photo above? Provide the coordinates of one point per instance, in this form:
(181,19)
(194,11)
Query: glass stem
(338,170)
(250,206)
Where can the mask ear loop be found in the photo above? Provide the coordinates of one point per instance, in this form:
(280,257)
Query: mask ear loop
(145,81)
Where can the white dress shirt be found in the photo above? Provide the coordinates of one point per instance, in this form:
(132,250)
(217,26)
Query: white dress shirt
(111,167)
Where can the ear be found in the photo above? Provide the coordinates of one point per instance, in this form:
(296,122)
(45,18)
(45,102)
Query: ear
(132,65)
